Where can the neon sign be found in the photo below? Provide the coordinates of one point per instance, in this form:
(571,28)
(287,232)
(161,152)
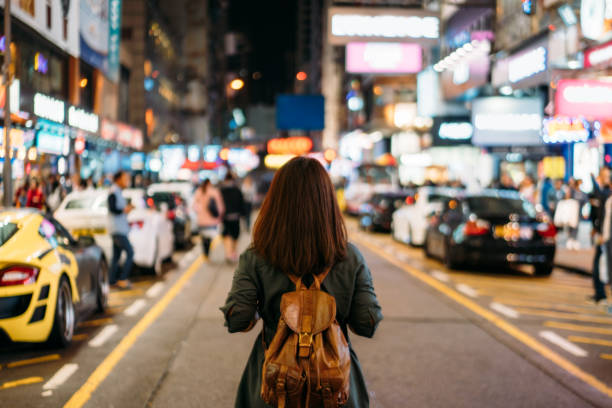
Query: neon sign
(41,64)
(563,129)
(527,64)
(49,108)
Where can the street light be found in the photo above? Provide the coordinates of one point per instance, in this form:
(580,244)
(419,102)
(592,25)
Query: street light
(237,84)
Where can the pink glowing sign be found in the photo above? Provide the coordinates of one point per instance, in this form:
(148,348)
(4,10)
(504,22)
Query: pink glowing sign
(582,97)
(383,58)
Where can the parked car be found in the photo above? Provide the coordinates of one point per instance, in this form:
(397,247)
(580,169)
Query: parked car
(410,221)
(86,213)
(185,190)
(174,208)
(365,181)
(376,214)
(48,279)
(494,227)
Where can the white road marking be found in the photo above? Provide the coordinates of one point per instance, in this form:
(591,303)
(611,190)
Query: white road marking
(563,343)
(467,290)
(135,307)
(505,310)
(47,393)
(441,276)
(155,290)
(62,375)
(103,336)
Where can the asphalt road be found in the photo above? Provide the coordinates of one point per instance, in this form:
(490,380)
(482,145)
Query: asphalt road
(449,339)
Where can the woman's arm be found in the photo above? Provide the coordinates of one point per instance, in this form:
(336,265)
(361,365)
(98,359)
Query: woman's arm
(241,305)
(220,203)
(365,311)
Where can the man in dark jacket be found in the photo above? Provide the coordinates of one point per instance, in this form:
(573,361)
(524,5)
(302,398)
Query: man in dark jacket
(601,192)
(234,209)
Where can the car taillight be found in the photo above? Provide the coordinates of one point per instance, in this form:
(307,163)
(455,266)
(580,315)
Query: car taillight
(410,200)
(18,275)
(547,230)
(477,227)
(150,203)
(138,224)
(171,215)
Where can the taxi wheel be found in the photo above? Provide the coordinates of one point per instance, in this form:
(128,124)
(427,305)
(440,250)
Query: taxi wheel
(103,288)
(543,270)
(64,321)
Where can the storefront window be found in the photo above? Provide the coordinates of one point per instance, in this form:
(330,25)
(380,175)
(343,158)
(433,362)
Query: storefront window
(39,67)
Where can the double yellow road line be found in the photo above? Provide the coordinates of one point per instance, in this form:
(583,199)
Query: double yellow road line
(500,323)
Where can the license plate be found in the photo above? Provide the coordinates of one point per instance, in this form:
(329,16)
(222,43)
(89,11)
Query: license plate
(526,233)
(513,233)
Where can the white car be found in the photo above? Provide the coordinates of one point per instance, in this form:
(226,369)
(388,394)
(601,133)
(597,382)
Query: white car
(86,213)
(410,222)
(365,181)
(185,190)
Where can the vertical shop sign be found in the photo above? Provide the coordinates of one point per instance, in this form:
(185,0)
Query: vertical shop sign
(99,26)
(114,35)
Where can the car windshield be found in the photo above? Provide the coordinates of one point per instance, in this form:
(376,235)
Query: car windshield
(7,230)
(168,198)
(80,203)
(437,198)
(500,207)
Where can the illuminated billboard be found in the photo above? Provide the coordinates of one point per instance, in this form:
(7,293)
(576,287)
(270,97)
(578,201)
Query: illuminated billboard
(383,58)
(506,121)
(582,97)
(352,24)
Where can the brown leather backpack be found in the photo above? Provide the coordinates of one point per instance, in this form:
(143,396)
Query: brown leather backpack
(308,362)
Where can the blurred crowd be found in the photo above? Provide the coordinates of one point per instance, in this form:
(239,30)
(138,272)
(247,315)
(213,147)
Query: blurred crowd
(46,194)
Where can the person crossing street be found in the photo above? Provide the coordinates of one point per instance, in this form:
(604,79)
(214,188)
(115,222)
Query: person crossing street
(119,229)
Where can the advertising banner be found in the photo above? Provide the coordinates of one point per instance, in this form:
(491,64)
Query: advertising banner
(300,112)
(582,97)
(99,33)
(506,121)
(383,58)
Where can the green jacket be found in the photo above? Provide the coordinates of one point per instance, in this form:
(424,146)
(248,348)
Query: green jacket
(258,288)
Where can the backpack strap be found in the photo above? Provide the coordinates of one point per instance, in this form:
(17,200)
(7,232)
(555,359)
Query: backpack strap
(318,280)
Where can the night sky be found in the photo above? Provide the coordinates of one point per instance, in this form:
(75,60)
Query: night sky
(271,28)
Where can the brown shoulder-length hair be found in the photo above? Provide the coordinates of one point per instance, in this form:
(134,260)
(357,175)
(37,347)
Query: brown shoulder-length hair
(300,228)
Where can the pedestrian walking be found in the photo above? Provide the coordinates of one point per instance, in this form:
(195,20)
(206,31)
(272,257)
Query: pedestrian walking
(119,229)
(598,198)
(605,264)
(528,189)
(208,206)
(35,197)
(234,209)
(56,195)
(299,238)
(21,194)
(248,193)
(554,195)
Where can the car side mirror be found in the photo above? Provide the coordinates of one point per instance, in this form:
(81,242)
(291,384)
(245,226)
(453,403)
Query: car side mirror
(85,241)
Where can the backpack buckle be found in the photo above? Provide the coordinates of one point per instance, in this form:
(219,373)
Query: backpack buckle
(304,343)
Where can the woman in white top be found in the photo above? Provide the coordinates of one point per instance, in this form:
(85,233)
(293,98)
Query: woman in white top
(209,207)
